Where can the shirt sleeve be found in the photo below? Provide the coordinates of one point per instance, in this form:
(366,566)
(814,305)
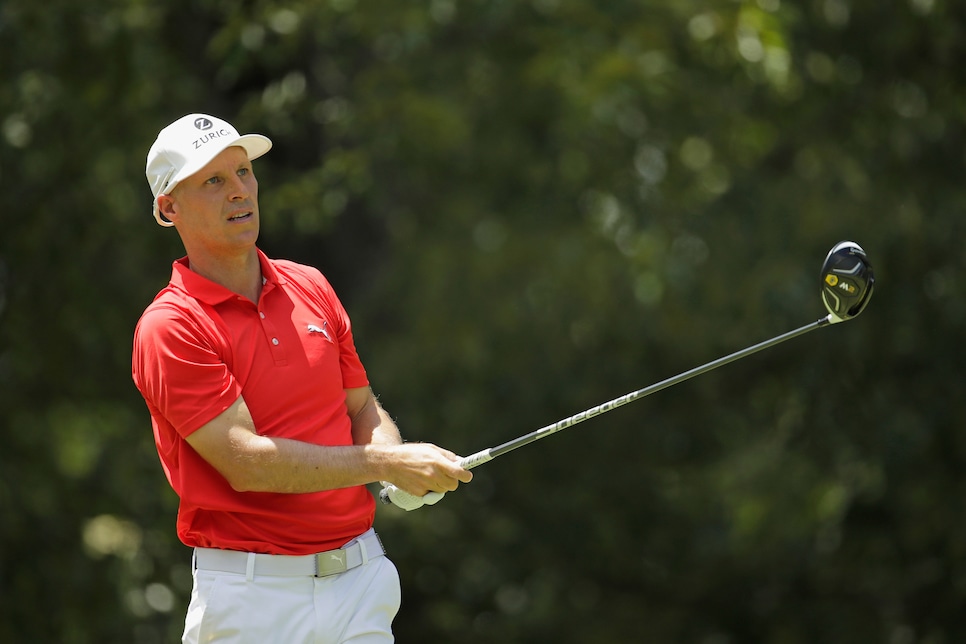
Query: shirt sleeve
(179,370)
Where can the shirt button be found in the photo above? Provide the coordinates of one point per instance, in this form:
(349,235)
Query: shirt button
(261,315)
(275,341)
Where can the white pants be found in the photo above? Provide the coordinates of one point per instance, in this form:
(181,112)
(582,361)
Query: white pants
(356,606)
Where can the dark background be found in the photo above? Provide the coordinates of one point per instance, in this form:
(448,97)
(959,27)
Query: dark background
(528,208)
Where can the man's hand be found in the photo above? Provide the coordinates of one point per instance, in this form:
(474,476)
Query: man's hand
(405,500)
(423,468)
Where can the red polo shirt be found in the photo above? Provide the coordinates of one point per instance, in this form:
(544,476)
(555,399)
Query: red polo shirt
(198,347)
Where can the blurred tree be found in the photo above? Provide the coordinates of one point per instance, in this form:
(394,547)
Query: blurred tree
(529,208)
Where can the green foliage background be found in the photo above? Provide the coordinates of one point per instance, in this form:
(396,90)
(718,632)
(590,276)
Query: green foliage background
(528,207)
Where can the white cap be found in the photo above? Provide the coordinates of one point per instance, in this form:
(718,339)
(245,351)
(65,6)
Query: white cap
(188,145)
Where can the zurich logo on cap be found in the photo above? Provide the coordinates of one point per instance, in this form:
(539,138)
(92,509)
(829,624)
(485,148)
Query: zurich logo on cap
(203,124)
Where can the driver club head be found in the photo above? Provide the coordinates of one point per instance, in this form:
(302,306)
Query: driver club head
(847,281)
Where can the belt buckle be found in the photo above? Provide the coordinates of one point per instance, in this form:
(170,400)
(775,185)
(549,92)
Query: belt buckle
(332,562)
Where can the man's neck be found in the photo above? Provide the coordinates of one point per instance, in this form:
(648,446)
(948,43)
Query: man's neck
(241,274)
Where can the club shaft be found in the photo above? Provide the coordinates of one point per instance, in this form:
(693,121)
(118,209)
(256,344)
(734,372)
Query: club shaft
(486,455)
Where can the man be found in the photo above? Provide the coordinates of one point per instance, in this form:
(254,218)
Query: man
(263,417)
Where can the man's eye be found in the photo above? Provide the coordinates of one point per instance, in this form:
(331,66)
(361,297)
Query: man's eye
(242,172)
(212,180)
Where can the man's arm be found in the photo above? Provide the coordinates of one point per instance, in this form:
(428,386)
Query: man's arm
(254,463)
(371,425)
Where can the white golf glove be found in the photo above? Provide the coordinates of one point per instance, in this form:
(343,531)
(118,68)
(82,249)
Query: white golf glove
(405,500)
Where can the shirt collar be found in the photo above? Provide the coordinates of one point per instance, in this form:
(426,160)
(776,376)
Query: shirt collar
(203,289)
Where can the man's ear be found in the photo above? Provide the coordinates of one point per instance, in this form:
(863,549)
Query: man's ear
(167,207)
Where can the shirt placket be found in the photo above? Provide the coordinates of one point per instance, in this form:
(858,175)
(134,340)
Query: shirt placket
(270,331)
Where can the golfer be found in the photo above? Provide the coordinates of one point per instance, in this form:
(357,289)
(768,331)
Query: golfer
(263,417)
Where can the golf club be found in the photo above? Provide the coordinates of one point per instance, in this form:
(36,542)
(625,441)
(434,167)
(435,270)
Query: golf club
(847,285)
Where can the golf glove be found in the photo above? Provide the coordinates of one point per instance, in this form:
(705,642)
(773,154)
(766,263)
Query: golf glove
(405,500)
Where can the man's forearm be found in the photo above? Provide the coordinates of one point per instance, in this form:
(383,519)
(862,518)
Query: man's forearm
(386,432)
(252,462)
(372,425)
(293,467)
(275,464)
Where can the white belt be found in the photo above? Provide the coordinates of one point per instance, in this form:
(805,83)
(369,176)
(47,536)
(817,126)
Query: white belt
(332,562)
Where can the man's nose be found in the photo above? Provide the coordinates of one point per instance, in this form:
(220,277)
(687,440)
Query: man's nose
(238,189)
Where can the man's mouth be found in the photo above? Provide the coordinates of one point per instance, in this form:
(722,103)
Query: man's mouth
(240,216)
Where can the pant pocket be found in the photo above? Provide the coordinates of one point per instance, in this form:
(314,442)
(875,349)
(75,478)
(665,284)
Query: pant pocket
(212,614)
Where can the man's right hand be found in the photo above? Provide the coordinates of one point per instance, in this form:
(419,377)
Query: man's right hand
(423,468)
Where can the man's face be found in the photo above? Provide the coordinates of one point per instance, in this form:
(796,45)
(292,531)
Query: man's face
(216,208)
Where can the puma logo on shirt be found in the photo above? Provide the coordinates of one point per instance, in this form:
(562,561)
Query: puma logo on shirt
(322,329)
